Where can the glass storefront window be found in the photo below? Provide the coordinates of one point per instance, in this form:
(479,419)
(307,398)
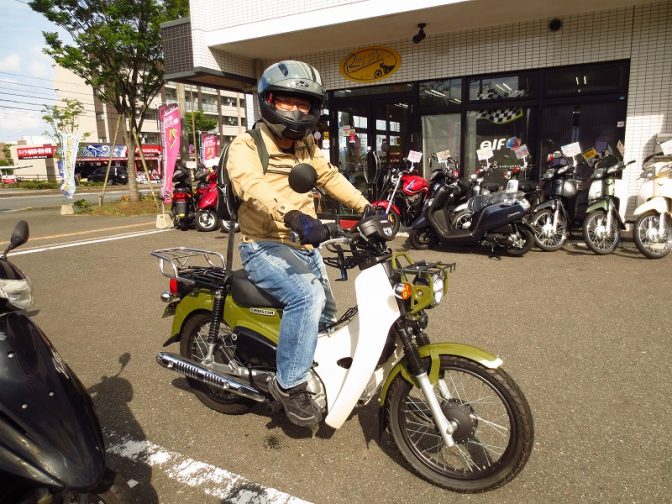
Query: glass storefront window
(439,132)
(501,87)
(492,128)
(581,80)
(441,92)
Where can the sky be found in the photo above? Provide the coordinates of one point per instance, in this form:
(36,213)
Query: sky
(26,73)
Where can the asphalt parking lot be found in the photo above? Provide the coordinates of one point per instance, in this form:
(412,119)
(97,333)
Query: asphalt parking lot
(585,337)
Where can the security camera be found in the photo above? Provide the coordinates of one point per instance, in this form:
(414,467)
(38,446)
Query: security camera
(555,24)
(420,36)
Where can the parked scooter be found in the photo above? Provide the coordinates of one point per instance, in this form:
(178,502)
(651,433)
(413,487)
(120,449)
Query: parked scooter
(183,208)
(495,220)
(653,227)
(402,196)
(51,444)
(603,224)
(458,419)
(207,198)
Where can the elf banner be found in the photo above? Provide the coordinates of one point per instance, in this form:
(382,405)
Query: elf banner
(69,146)
(209,149)
(170,144)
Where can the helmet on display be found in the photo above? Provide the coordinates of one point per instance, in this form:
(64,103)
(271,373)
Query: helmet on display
(297,80)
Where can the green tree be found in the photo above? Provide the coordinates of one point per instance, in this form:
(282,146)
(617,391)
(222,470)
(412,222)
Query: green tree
(63,119)
(201,122)
(7,161)
(117,50)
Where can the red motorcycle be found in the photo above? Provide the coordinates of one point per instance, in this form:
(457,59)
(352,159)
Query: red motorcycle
(206,204)
(402,196)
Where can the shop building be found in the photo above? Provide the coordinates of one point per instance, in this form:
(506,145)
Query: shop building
(477,73)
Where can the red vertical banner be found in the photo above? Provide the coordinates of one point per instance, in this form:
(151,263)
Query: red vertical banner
(209,146)
(171,132)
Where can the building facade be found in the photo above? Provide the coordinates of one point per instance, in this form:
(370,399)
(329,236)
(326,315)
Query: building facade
(476,74)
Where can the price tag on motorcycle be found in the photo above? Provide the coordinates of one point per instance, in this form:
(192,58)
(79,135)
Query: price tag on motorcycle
(571,150)
(667,147)
(442,155)
(485,153)
(521,151)
(414,156)
(590,156)
(621,148)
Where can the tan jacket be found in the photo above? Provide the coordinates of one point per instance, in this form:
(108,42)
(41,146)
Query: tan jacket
(267,198)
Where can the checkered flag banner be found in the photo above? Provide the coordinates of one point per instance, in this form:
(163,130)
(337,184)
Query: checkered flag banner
(500,115)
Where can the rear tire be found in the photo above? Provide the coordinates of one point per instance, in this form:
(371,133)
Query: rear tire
(494,435)
(193,344)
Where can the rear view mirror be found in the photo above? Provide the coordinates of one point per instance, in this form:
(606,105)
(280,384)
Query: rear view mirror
(302,178)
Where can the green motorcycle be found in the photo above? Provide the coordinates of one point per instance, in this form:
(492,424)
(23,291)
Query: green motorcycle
(456,416)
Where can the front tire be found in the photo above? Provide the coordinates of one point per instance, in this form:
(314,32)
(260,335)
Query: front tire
(225,226)
(421,239)
(394,221)
(523,241)
(193,345)
(206,220)
(598,237)
(648,239)
(494,435)
(544,237)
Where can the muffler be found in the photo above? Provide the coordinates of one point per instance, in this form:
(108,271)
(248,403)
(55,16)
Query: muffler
(197,371)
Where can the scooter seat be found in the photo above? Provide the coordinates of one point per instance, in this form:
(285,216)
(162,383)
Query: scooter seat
(246,294)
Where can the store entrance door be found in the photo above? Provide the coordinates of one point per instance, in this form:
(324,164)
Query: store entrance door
(372,136)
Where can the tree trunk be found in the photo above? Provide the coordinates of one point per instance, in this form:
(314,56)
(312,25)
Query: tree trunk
(133,193)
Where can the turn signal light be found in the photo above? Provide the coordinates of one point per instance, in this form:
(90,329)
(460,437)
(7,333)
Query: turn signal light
(403,291)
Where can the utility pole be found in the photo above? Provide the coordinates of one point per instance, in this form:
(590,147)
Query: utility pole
(184,140)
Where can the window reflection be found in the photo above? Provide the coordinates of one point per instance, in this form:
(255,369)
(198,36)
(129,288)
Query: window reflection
(441,92)
(501,87)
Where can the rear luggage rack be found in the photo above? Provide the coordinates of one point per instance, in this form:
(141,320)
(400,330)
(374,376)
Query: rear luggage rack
(203,268)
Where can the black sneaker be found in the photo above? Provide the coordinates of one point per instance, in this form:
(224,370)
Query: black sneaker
(299,407)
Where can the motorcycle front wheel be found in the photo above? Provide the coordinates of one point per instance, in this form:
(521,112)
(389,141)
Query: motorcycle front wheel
(421,239)
(544,236)
(523,241)
(225,226)
(598,237)
(206,220)
(194,346)
(494,434)
(648,238)
(394,221)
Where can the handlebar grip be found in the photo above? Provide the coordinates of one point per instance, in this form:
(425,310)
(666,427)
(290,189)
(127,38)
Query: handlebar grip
(629,162)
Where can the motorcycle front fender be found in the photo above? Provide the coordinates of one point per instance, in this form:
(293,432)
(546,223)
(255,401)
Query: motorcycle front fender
(598,205)
(546,204)
(434,351)
(657,204)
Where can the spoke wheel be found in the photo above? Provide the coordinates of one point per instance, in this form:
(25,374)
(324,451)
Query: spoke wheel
(648,238)
(544,236)
(194,346)
(600,238)
(494,427)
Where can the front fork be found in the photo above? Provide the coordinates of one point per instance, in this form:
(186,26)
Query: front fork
(444,426)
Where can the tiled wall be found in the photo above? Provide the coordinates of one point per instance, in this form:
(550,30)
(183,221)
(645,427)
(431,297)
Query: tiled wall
(641,34)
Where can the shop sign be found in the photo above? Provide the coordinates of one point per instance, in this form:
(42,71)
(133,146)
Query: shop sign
(42,152)
(99,152)
(370,64)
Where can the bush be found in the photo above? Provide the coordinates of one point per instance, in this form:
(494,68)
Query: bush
(82,206)
(38,184)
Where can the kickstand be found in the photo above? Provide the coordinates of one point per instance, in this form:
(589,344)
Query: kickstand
(313,430)
(492,254)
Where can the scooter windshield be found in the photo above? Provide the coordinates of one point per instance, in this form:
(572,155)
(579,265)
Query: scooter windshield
(479,202)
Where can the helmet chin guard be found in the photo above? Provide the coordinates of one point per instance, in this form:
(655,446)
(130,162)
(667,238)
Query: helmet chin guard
(296,79)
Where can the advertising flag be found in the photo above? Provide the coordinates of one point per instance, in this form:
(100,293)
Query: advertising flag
(171,133)
(209,149)
(69,146)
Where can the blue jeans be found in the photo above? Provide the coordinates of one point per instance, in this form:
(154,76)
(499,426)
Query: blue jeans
(297,278)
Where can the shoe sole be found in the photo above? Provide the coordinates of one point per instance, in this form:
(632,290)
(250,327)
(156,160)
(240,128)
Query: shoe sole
(292,417)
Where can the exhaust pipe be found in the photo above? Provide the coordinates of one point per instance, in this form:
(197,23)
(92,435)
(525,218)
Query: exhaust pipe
(197,371)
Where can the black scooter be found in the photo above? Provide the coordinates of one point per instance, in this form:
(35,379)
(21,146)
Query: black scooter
(495,220)
(51,444)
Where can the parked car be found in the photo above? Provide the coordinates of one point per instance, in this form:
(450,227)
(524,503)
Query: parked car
(118,175)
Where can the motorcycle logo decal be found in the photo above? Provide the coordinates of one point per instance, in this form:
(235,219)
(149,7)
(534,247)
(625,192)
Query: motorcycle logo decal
(261,311)
(370,64)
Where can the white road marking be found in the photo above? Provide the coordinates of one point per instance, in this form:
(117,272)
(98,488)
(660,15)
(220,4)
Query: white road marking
(86,242)
(210,479)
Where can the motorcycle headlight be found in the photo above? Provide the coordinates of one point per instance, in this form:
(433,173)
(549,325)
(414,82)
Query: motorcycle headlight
(525,204)
(438,287)
(17,293)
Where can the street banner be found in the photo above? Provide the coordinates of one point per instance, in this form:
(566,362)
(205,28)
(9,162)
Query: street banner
(209,149)
(69,146)
(170,142)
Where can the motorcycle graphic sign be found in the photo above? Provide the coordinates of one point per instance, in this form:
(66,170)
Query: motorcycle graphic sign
(370,64)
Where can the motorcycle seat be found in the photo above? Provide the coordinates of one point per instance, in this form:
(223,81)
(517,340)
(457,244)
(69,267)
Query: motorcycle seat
(248,295)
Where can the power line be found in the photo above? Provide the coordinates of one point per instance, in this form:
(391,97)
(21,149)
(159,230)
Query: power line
(40,97)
